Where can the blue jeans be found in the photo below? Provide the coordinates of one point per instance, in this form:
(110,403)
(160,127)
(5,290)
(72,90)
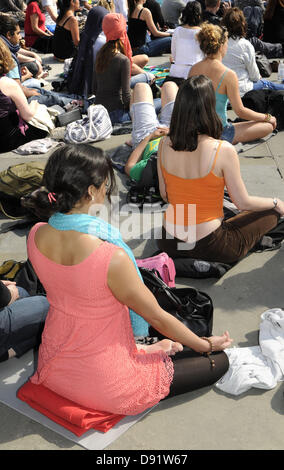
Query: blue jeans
(139,78)
(155,47)
(228,133)
(21,323)
(266,84)
(50,98)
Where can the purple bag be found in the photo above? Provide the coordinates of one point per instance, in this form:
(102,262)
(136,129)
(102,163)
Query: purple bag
(163,264)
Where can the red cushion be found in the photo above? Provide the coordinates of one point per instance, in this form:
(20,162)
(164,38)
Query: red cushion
(70,415)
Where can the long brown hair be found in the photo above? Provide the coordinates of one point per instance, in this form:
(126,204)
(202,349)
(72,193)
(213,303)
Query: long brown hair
(270,8)
(6,60)
(106,53)
(132,4)
(194,113)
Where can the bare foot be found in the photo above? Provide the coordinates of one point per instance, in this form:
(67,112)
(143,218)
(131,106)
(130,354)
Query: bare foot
(167,345)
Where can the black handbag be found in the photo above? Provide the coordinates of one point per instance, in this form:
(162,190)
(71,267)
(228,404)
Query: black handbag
(191,306)
(263,65)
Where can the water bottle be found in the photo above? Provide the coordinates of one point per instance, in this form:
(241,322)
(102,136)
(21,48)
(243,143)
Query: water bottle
(281,71)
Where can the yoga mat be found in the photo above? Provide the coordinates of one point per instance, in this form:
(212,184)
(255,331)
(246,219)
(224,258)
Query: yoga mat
(15,372)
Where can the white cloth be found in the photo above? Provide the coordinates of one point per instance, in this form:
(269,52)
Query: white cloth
(39,146)
(42,119)
(121,7)
(185,51)
(257,366)
(240,57)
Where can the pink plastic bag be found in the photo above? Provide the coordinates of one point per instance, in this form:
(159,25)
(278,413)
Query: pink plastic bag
(163,264)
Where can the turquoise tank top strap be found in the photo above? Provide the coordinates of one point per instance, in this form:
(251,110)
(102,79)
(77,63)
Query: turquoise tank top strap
(221,79)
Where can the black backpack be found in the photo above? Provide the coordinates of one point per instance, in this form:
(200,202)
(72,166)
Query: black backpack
(267,101)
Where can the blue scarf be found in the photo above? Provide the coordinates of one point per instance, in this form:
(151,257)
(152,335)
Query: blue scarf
(85,223)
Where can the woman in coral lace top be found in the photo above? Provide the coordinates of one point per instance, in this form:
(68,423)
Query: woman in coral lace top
(88,352)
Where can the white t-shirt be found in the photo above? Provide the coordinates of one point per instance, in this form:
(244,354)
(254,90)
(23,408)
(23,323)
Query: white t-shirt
(121,7)
(240,58)
(53,5)
(185,51)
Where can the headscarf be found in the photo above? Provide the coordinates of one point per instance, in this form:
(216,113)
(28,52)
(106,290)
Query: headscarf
(83,64)
(114,27)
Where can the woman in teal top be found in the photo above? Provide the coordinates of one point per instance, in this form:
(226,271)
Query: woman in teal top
(213,41)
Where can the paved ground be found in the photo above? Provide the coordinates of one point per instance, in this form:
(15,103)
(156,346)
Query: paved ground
(205,419)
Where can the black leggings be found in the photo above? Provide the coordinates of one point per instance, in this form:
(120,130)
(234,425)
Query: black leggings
(193,371)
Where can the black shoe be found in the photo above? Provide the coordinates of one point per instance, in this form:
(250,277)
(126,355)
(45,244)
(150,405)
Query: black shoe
(152,198)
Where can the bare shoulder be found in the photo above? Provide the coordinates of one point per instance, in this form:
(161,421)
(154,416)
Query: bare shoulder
(227,152)
(119,261)
(145,13)
(231,76)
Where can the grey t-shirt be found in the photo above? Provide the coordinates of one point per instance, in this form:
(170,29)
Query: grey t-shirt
(112,87)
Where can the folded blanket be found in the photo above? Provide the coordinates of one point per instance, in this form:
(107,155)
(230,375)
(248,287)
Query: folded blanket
(76,418)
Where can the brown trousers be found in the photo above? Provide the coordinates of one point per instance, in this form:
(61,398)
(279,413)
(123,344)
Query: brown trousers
(230,242)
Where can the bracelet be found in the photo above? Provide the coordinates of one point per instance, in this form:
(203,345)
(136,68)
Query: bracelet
(275,202)
(210,342)
(267,117)
(207,354)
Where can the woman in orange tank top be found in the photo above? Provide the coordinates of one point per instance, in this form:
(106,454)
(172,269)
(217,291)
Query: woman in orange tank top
(194,167)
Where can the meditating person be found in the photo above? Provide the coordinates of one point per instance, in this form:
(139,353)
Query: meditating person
(185,50)
(82,77)
(37,34)
(22,320)
(92,40)
(147,129)
(88,352)
(50,11)
(10,33)
(15,111)
(111,80)
(66,34)
(140,20)
(240,55)
(194,167)
(213,41)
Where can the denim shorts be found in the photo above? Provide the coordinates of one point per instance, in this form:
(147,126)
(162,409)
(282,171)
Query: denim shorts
(145,120)
(228,133)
